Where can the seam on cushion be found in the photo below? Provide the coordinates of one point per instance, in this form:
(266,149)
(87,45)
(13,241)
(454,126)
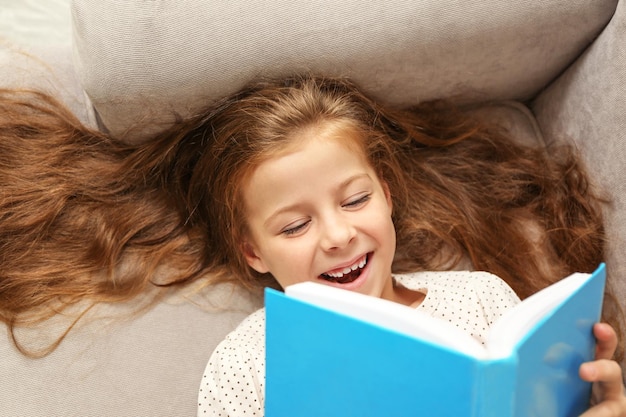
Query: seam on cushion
(529,116)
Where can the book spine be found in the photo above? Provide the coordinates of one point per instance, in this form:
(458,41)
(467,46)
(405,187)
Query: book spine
(495,388)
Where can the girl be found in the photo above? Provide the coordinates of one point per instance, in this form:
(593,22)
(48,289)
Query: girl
(234,192)
(310,178)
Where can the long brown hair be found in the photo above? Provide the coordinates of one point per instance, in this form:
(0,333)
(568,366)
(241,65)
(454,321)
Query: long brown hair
(84,216)
(460,188)
(76,225)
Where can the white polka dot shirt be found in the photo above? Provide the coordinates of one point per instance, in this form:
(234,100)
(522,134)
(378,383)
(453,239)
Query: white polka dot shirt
(233,381)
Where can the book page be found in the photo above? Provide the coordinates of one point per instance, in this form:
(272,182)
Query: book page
(518,321)
(388,314)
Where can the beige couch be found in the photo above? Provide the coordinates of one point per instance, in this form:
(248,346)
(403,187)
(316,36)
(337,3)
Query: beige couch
(548,70)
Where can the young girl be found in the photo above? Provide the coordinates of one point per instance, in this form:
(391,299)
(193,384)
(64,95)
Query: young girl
(314,182)
(299,179)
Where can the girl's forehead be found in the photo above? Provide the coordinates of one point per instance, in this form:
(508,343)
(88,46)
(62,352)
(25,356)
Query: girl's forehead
(320,170)
(330,133)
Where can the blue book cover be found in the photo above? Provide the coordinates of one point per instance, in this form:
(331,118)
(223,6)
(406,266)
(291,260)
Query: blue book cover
(331,352)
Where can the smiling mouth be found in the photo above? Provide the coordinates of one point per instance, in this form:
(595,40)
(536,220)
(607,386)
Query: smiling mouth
(347,274)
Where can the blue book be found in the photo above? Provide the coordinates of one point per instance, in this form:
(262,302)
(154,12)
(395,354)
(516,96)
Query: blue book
(331,352)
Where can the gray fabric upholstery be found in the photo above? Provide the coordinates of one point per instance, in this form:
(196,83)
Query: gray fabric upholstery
(587,106)
(118,364)
(46,68)
(143,60)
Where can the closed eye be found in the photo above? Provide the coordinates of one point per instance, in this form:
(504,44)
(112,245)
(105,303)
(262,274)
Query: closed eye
(292,230)
(358,201)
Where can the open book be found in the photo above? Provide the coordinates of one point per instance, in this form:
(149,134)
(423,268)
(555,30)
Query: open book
(331,352)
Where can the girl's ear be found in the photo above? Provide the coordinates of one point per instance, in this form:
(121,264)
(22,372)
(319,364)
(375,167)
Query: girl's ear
(253,259)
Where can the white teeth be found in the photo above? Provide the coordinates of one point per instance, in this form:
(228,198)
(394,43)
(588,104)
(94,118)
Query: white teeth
(349,269)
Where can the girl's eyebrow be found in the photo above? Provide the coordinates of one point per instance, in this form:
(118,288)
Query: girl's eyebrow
(351,179)
(344,184)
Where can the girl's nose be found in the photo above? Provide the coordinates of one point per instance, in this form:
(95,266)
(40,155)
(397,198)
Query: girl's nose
(337,233)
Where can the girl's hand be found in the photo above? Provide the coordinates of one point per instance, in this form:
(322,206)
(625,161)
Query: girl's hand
(606,375)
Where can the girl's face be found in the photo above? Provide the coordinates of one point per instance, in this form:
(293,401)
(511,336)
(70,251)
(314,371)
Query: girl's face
(319,213)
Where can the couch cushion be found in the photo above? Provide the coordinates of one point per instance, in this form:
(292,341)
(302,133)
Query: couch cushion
(139,61)
(118,364)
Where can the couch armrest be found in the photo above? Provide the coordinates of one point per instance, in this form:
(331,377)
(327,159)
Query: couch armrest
(46,68)
(587,105)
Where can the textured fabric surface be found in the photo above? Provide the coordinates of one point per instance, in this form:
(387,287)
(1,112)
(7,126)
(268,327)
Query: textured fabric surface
(35,21)
(46,68)
(587,106)
(142,60)
(119,365)
(35,52)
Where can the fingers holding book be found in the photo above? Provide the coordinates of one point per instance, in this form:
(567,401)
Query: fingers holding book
(606,374)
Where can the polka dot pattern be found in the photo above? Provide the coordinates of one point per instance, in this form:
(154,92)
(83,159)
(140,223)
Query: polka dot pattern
(472,301)
(233,381)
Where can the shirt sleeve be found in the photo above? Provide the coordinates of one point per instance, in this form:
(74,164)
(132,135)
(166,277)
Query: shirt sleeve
(233,381)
